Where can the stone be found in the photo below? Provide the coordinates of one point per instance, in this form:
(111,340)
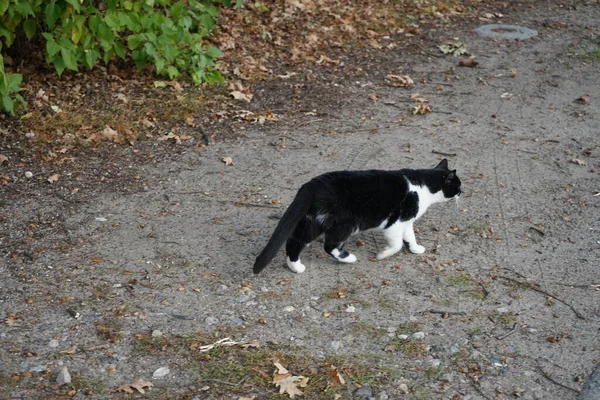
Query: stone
(63,377)
(418,335)
(211,321)
(156,333)
(364,391)
(161,373)
(53,343)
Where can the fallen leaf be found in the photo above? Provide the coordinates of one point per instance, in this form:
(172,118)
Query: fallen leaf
(374,97)
(3,159)
(287,382)
(227,160)
(236,94)
(583,99)
(421,109)
(53,178)
(175,137)
(468,62)
(455,48)
(399,80)
(578,161)
(335,377)
(138,385)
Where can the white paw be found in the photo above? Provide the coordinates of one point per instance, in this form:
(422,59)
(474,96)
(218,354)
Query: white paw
(417,249)
(296,266)
(350,259)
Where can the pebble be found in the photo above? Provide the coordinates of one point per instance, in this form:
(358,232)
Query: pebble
(335,345)
(402,337)
(28,174)
(53,343)
(211,321)
(101,219)
(364,391)
(350,309)
(63,377)
(502,310)
(237,321)
(242,298)
(383,396)
(29,135)
(161,373)
(289,309)
(403,388)
(156,333)
(418,335)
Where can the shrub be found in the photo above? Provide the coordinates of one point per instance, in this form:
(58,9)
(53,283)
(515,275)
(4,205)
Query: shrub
(167,34)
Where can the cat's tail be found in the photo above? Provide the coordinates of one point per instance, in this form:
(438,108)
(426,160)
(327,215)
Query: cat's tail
(295,212)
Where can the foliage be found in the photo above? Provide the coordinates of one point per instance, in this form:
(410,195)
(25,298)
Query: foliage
(167,34)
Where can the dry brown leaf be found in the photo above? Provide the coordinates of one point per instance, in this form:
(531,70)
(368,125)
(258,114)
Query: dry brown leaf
(227,160)
(138,385)
(335,377)
(583,99)
(578,161)
(175,137)
(53,178)
(3,159)
(374,97)
(468,62)
(236,94)
(421,109)
(399,80)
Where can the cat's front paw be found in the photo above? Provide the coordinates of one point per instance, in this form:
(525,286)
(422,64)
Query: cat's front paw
(417,249)
(386,253)
(296,266)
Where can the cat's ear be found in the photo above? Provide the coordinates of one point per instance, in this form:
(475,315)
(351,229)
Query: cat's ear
(443,165)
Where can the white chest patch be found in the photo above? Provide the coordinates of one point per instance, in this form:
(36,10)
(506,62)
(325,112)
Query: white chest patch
(426,198)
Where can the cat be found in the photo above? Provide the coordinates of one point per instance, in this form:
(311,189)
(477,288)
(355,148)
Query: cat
(340,204)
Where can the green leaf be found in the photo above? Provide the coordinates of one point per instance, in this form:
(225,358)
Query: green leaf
(119,49)
(8,104)
(176,10)
(173,72)
(24,8)
(69,58)
(159,64)
(76,4)
(59,65)
(3,6)
(213,52)
(30,26)
(52,48)
(52,12)
(14,80)
(91,55)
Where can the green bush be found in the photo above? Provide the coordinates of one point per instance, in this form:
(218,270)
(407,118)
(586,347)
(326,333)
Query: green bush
(167,34)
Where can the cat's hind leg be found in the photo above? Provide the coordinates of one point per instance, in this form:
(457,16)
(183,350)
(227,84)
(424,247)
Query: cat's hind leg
(393,235)
(335,239)
(409,237)
(305,232)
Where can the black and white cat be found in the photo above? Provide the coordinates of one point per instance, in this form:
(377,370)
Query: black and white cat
(344,203)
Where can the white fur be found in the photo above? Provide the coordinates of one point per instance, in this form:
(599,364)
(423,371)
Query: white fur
(403,231)
(295,266)
(350,258)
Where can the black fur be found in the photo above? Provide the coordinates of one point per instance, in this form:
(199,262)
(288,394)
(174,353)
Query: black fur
(344,202)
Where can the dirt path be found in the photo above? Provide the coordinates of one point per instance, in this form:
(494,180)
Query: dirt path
(504,303)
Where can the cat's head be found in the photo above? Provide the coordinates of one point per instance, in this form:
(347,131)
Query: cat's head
(451,184)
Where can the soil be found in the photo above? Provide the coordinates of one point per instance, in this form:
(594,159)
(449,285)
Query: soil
(131,261)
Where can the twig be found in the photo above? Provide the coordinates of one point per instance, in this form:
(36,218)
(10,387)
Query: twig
(446,312)
(547,376)
(443,154)
(485,291)
(228,383)
(537,230)
(535,288)
(513,330)
(427,51)
(476,386)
